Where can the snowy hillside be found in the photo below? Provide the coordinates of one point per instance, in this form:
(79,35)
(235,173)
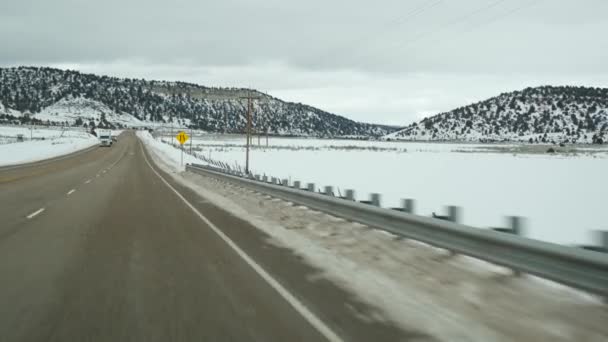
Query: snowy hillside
(64,95)
(535,115)
(71,109)
(8,111)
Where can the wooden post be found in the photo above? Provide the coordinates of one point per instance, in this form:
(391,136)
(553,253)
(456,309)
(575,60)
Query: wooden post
(248,129)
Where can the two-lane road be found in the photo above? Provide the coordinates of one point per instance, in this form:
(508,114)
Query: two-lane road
(98,247)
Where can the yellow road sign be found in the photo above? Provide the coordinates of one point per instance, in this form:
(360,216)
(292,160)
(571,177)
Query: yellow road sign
(182,137)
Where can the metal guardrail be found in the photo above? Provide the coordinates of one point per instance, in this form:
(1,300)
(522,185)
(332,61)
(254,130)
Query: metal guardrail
(578,268)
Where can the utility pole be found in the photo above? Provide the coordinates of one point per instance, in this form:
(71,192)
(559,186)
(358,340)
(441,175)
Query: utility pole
(171,137)
(248,129)
(225,122)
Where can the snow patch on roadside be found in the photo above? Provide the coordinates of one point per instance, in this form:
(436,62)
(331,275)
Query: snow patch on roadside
(170,155)
(53,145)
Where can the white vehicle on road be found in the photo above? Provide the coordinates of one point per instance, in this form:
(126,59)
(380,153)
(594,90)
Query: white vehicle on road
(105,139)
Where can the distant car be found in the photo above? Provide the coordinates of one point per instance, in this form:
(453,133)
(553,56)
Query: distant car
(105,140)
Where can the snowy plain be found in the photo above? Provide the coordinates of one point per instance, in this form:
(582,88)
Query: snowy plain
(46,143)
(410,283)
(562,196)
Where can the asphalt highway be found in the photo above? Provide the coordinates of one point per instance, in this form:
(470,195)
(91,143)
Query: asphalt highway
(104,246)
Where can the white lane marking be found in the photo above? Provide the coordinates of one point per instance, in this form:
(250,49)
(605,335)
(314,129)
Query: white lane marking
(113,164)
(87,181)
(315,321)
(35,213)
(97,175)
(71,192)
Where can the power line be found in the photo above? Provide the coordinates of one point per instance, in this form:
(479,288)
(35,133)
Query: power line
(460,19)
(492,20)
(358,41)
(413,13)
(451,23)
(501,16)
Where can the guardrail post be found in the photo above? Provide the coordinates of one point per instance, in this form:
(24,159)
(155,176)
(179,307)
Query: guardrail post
(516,223)
(600,242)
(296,185)
(329,190)
(375,199)
(454,214)
(311,187)
(408,205)
(350,194)
(515,226)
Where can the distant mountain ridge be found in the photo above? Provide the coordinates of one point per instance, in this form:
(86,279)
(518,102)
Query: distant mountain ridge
(53,95)
(535,115)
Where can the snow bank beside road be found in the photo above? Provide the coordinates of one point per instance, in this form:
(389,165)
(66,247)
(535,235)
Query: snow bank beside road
(34,150)
(411,284)
(170,155)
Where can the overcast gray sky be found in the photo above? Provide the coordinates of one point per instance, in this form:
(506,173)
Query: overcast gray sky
(384,61)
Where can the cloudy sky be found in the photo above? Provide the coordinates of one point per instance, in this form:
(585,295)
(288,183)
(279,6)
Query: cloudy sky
(384,61)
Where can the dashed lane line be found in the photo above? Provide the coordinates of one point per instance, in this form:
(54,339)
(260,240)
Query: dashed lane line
(32,215)
(71,192)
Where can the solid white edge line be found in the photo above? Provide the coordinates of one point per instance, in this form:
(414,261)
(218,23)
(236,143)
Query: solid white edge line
(315,321)
(71,192)
(35,213)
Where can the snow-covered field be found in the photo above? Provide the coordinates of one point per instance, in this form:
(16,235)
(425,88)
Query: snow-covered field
(8,134)
(561,195)
(409,283)
(46,143)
